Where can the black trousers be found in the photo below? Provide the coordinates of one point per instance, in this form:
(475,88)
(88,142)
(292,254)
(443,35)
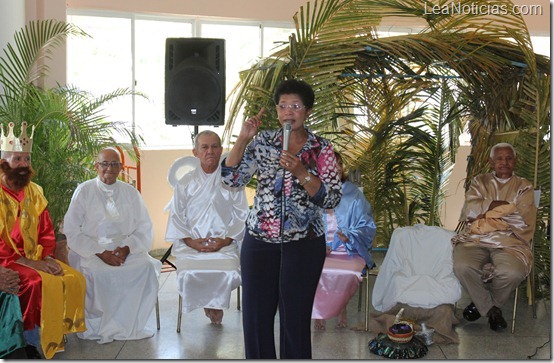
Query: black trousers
(283,276)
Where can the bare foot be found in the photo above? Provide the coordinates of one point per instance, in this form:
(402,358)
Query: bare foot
(342,321)
(319,324)
(217,316)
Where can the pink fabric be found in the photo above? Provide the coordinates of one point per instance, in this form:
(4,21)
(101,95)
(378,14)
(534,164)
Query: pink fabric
(331,226)
(339,280)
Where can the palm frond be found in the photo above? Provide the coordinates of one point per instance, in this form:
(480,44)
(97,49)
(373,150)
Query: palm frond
(25,62)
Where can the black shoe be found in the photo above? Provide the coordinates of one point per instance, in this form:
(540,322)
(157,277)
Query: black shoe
(496,321)
(32,352)
(20,353)
(471,313)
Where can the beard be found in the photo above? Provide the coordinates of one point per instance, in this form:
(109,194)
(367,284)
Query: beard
(17,177)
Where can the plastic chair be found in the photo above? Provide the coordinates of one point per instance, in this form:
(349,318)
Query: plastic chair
(531,278)
(167,266)
(180,313)
(530,282)
(366,273)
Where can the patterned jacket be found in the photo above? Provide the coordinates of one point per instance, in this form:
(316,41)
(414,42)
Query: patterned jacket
(303,214)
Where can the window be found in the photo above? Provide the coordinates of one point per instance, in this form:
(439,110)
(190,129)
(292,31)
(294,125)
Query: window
(275,39)
(128,51)
(541,45)
(102,62)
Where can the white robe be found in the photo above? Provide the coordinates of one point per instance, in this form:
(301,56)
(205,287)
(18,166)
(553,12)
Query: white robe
(119,299)
(202,206)
(417,270)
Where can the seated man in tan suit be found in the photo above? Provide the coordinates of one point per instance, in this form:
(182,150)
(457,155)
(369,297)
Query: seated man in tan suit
(492,255)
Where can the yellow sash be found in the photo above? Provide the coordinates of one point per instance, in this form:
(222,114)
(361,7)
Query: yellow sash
(66,312)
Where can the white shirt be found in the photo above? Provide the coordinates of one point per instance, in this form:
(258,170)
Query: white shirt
(92,226)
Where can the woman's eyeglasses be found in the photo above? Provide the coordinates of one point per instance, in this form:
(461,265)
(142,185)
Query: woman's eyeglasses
(294,106)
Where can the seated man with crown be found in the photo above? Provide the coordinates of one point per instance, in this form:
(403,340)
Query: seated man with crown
(51,294)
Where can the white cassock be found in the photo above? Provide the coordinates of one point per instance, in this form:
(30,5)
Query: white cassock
(417,270)
(119,299)
(202,206)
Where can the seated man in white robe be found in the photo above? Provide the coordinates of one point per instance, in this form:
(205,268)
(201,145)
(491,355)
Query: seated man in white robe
(417,274)
(206,225)
(109,233)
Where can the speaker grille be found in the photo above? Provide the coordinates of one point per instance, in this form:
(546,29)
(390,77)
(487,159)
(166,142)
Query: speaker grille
(195,81)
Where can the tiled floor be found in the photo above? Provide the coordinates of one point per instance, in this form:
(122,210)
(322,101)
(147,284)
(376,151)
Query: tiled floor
(199,339)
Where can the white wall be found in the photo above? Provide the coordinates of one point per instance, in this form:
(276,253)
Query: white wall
(455,190)
(12,18)
(267,10)
(156,190)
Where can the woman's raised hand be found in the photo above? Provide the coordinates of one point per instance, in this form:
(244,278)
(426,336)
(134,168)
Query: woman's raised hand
(248,130)
(250,127)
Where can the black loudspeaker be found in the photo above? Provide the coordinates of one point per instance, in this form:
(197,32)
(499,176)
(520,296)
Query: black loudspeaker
(194,81)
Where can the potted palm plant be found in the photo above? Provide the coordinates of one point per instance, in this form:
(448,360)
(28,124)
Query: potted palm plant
(70,129)
(396,105)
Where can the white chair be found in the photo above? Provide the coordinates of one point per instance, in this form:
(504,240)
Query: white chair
(417,270)
(176,171)
(530,279)
(366,274)
(167,266)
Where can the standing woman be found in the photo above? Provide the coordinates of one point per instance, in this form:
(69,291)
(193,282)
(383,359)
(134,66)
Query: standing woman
(284,245)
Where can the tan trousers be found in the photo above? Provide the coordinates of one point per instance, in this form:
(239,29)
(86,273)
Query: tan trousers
(468,266)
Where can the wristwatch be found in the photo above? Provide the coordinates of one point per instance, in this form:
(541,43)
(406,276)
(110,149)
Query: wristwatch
(306,180)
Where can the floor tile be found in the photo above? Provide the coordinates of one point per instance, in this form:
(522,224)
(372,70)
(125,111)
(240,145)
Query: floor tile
(199,339)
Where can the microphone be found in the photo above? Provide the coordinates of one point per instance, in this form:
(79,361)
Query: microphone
(286,135)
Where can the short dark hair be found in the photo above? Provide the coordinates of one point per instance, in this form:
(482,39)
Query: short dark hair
(298,87)
(338,156)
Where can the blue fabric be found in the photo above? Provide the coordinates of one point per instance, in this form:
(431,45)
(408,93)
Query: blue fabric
(11,324)
(355,221)
(32,337)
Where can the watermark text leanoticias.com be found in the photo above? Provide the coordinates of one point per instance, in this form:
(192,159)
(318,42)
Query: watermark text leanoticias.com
(457,8)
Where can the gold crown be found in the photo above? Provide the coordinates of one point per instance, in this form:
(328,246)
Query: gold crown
(11,143)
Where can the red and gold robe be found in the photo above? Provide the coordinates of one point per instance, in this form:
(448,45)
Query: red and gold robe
(55,303)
